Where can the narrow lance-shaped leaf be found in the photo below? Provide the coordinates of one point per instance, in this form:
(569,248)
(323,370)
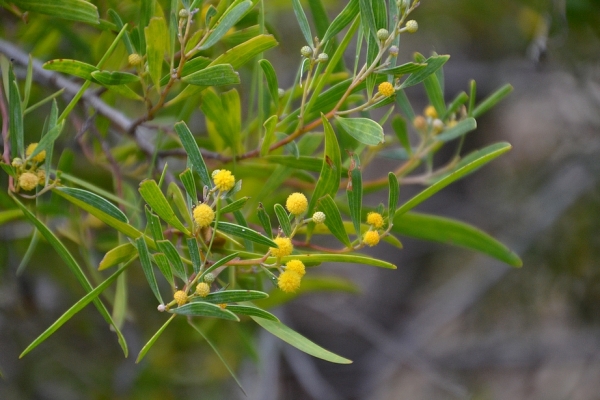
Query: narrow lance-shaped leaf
(271,76)
(399,126)
(15,128)
(175,195)
(115,77)
(333,219)
(233,296)
(265,221)
(164,267)
(251,311)
(144,255)
(433,87)
(461,128)
(234,206)
(73,266)
(153,225)
(342,258)
(218,263)
(203,309)
(174,258)
(187,178)
(269,125)
(121,253)
(459,173)
(194,254)
(364,130)
(153,339)
(492,100)
(217,75)
(342,20)
(407,68)
(47,140)
(284,220)
(302,21)
(156,34)
(292,337)
(155,199)
(75,10)
(245,233)
(394,194)
(95,201)
(354,192)
(433,64)
(193,152)
(228,20)
(446,230)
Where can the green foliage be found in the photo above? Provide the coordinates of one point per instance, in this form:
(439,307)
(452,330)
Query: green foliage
(207,244)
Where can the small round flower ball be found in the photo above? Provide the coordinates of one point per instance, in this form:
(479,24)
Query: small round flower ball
(371,238)
(296,203)
(383,34)
(39,157)
(306,51)
(180,297)
(420,123)
(183,13)
(203,215)
(319,217)
(16,162)
(394,51)
(209,278)
(28,181)
(386,89)
(323,57)
(224,180)
(430,112)
(375,219)
(202,289)
(289,281)
(285,247)
(412,26)
(41,174)
(297,266)
(134,59)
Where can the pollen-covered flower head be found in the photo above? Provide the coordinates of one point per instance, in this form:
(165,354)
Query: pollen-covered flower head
(180,297)
(202,289)
(203,215)
(430,112)
(134,59)
(28,181)
(319,217)
(224,180)
(386,89)
(297,266)
(296,203)
(289,281)
(39,157)
(285,247)
(371,238)
(375,219)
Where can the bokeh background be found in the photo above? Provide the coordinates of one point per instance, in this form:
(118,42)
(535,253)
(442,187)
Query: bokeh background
(449,323)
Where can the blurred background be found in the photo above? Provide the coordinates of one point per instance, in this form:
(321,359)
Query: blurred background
(449,323)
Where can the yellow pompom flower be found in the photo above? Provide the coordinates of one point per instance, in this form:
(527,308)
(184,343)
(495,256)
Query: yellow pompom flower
(28,181)
(296,203)
(203,215)
(222,305)
(39,157)
(375,219)
(134,59)
(386,89)
(202,289)
(371,238)
(41,174)
(296,266)
(180,297)
(224,180)
(430,112)
(285,247)
(289,281)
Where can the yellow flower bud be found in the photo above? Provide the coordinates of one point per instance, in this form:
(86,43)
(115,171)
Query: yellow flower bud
(28,181)
(285,247)
(202,289)
(430,112)
(180,297)
(224,180)
(203,215)
(371,238)
(289,281)
(39,157)
(412,26)
(296,203)
(420,123)
(296,266)
(319,217)
(386,89)
(375,219)
(134,59)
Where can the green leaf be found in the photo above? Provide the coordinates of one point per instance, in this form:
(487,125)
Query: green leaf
(333,219)
(74,10)
(95,201)
(234,206)
(405,105)
(492,100)
(329,179)
(115,77)
(241,54)
(122,253)
(399,126)
(368,17)
(75,269)
(194,254)
(9,215)
(85,300)
(157,35)
(187,178)
(499,149)
(15,128)
(232,296)
(303,22)
(364,130)
(144,255)
(433,64)
(343,258)
(193,153)
(269,126)
(251,311)
(265,221)
(217,75)
(292,337)
(156,199)
(394,194)
(244,233)
(453,107)
(284,219)
(227,21)
(47,140)
(461,128)
(164,267)
(342,20)
(271,76)
(174,258)
(449,231)
(434,87)
(153,340)
(71,67)
(218,263)
(153,225)
(203,309)
(175,194)
(407,68)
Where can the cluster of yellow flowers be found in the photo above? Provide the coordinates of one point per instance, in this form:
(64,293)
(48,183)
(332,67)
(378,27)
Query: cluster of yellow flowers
(204,214)
(289,279)
(371,237)
(29,174)
(430,121)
